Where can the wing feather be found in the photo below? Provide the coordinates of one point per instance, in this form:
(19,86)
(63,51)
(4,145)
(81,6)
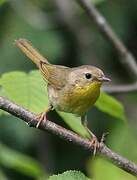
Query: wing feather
(55,75)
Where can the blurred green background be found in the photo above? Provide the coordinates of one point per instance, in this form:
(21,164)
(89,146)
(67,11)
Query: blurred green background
(65,35)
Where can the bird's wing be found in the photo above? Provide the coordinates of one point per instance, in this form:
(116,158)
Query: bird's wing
(55,75)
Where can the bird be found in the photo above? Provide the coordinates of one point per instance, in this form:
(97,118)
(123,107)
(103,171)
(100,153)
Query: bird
(73,90)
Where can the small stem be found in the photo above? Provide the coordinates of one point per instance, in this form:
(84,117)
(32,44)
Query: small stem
(125,88)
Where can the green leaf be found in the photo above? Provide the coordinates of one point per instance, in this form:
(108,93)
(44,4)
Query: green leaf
(103,169)
(74,123)
(122,139)
(111,106)
(12,159)
(28,90)
(69,175)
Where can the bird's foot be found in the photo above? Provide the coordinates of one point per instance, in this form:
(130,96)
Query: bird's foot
(95,144)
(93,141)
(41,117)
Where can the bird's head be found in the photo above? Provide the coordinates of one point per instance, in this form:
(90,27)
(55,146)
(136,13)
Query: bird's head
(87,76)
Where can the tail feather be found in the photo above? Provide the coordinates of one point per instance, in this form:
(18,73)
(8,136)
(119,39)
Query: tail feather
(31,52)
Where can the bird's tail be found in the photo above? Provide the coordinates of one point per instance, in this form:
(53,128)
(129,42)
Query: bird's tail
(31,52)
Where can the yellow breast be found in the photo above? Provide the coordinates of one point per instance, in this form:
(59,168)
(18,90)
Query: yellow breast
(80,99)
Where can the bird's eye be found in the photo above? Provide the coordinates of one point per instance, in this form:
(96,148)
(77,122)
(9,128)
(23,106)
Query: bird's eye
(88,76)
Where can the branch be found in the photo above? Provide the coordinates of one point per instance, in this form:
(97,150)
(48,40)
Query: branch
(126,88)
(68,135)
(126,58)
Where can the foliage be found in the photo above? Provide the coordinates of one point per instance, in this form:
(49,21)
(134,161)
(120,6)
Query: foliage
(110,105)
(109,171)
(25,89)
(69,175)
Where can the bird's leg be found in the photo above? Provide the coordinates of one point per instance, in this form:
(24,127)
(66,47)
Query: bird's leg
(43,116)
(94,141)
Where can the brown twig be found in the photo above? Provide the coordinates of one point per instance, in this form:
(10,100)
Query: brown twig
(125,88)
(126,57)
(68,135)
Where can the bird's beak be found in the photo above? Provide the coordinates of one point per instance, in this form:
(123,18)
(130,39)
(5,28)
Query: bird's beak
(104,79)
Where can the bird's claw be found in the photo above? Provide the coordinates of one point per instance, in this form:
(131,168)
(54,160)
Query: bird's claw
(95,144)
(41,117)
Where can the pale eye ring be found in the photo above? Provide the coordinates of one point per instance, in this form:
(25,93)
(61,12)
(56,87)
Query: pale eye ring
(88,76)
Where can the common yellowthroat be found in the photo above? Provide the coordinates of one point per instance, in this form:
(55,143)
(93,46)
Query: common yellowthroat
(72,90)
